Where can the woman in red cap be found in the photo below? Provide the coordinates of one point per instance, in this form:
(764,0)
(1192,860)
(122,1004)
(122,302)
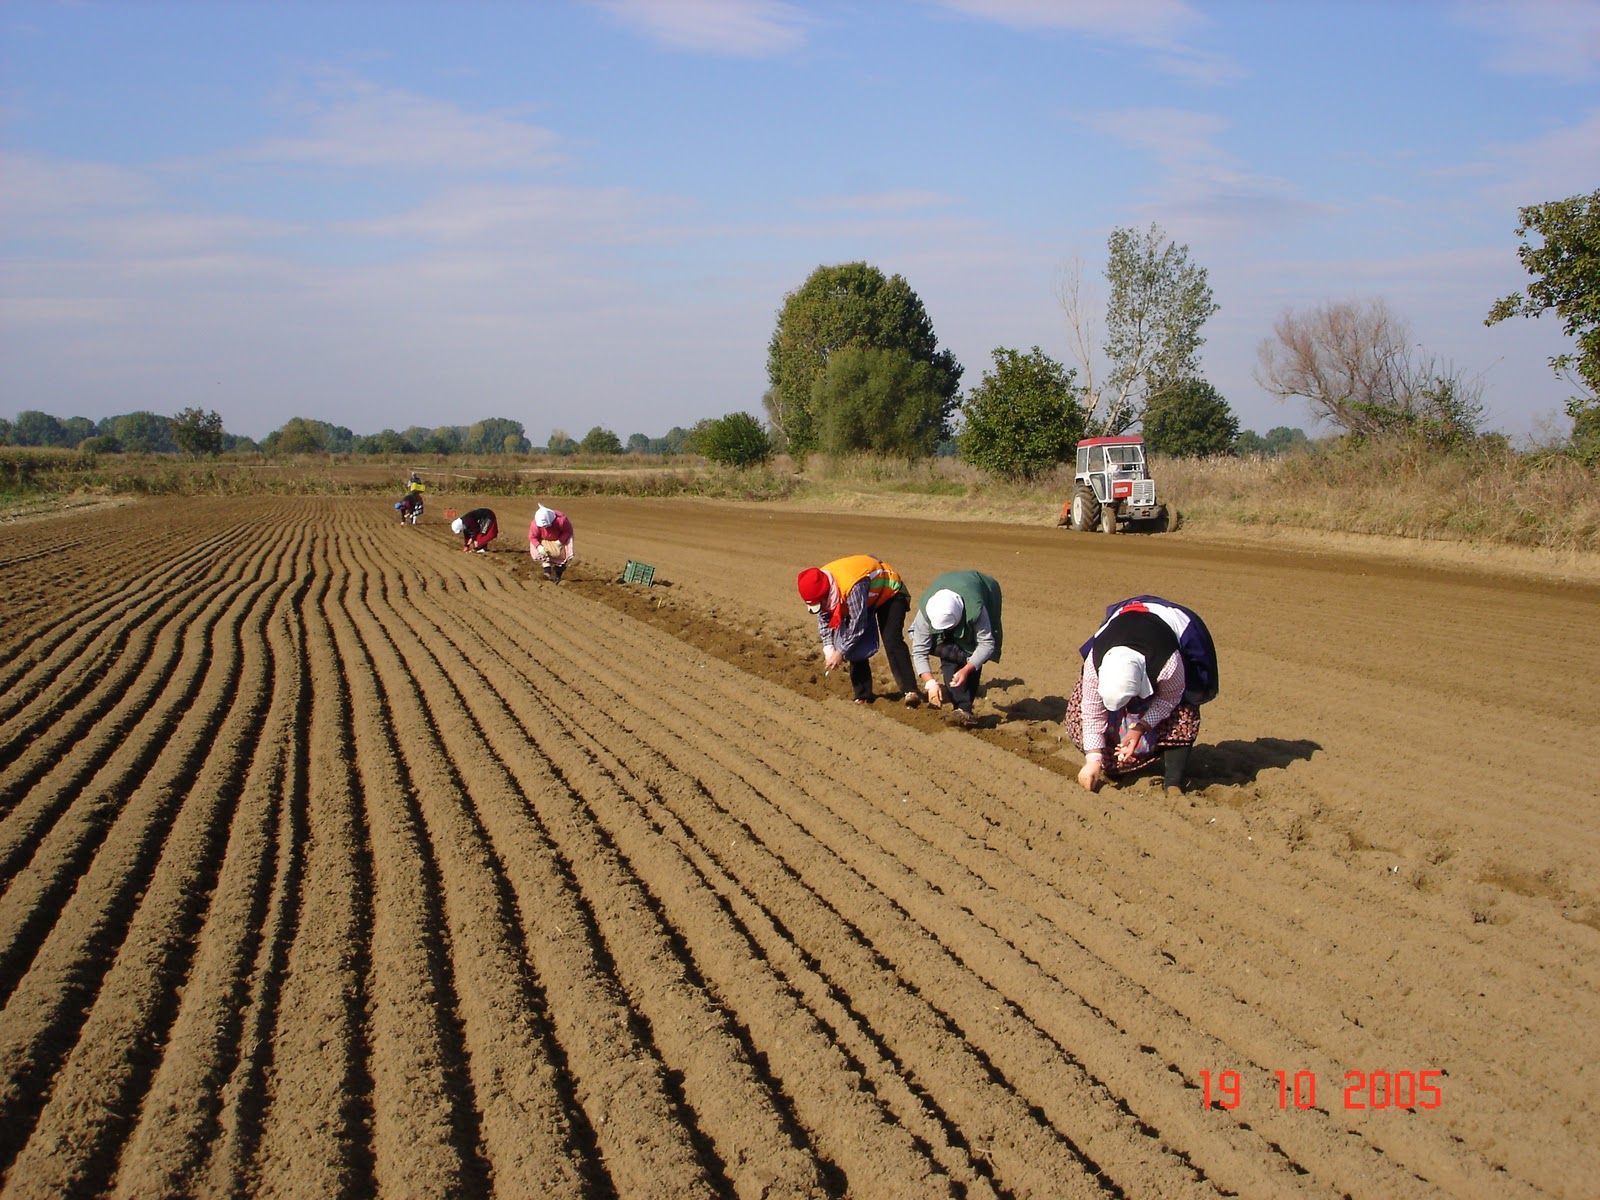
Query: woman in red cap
(860,601)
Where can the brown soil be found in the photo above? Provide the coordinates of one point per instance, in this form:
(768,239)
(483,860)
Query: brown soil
(336,862)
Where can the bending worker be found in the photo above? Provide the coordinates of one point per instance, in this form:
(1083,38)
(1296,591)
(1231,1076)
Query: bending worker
(957,622)
(1146,671)
(861,601)
(411,501)
(550,542)
(477,529)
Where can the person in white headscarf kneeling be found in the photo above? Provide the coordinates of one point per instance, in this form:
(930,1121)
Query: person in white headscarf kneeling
(550,542)
(1146,671)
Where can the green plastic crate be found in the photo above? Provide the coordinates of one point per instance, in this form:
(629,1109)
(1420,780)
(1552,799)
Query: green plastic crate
(638,572)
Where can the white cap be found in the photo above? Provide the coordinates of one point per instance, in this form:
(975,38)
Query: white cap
(944,609)
(457,526)
(544,517)
(1122,677)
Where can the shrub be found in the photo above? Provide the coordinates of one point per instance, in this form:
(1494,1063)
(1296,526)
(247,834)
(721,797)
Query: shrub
(736,440)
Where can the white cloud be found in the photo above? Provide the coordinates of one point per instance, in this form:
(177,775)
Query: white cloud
(1201,192)
(355,123)
(908,200)
(1562,162)
(513,216)
(39,189)
(1143,21)
(1163,27)
(1556,38)
(739,28)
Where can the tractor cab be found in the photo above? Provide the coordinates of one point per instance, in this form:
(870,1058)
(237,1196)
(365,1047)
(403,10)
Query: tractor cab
(1111,485)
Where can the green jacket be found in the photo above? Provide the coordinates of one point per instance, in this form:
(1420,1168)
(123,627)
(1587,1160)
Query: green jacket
(979,593)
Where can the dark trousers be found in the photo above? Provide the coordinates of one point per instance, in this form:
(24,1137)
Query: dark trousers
(951,659)
(891,617)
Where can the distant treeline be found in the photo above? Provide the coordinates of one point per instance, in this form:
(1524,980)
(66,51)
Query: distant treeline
(151,433)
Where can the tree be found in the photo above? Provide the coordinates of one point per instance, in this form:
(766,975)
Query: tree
(446,439)
(850,306)
(1023,418)
(1158,302)
(1567,279)
(141,432)
(1357,366)
(197,431)
(1281,439)
(494,435)
(735,440)
(1190,420)
(561,444)
(387,441)
(638,443)
(35,428)
(297,436)
(674,441)
(870,399)
(600,441)
(77,429)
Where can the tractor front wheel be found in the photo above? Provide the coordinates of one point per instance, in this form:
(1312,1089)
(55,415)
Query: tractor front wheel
(1085,510)
(1108,518)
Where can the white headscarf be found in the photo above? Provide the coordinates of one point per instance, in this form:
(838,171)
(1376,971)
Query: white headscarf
(456,525)
(944,609)
(1122,677)
(543,517)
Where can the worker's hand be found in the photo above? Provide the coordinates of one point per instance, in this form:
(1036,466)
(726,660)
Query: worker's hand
(1129,745)
(832,658)
(1093,773)
(935,693)
(959,678)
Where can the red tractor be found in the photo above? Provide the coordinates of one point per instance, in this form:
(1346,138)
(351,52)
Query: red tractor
(1112,486)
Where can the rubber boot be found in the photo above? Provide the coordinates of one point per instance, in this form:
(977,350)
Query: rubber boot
(1173,761)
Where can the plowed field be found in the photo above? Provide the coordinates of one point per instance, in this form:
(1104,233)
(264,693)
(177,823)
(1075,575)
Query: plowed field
(335,863)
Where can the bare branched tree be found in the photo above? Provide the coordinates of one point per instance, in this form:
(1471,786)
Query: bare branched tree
(1355,363)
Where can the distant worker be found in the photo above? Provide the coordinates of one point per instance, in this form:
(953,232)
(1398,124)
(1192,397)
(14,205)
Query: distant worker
(1146,671)
(957,622)
(550,542)
(861,601)
(477,529)
(410,505)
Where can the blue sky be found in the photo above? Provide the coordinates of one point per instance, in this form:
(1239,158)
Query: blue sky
(588,212)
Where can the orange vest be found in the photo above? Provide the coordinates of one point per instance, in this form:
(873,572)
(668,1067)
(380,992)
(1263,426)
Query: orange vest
(847,572)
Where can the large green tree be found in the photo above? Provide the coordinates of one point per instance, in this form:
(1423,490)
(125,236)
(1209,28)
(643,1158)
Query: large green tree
(600,441)
(1023,418)
(35,428)
(850,306)
(495,435)
(736,440)
(882,401)
(141,432)
(198,431)
(1566,270)
(1191,420)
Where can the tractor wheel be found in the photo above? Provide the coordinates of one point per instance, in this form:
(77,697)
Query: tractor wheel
(1162,521)
(1085,510)
(1108,518)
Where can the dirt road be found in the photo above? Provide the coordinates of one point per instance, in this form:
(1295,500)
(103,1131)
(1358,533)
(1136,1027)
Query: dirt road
(336,862)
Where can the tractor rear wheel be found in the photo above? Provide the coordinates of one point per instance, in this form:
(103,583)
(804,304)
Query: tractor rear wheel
(1085,510)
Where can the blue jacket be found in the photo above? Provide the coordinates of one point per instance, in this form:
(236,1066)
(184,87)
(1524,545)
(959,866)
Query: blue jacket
(1195,646)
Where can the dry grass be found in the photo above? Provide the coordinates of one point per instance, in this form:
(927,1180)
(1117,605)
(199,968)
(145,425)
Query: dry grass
(1487,497)
(1546,501)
